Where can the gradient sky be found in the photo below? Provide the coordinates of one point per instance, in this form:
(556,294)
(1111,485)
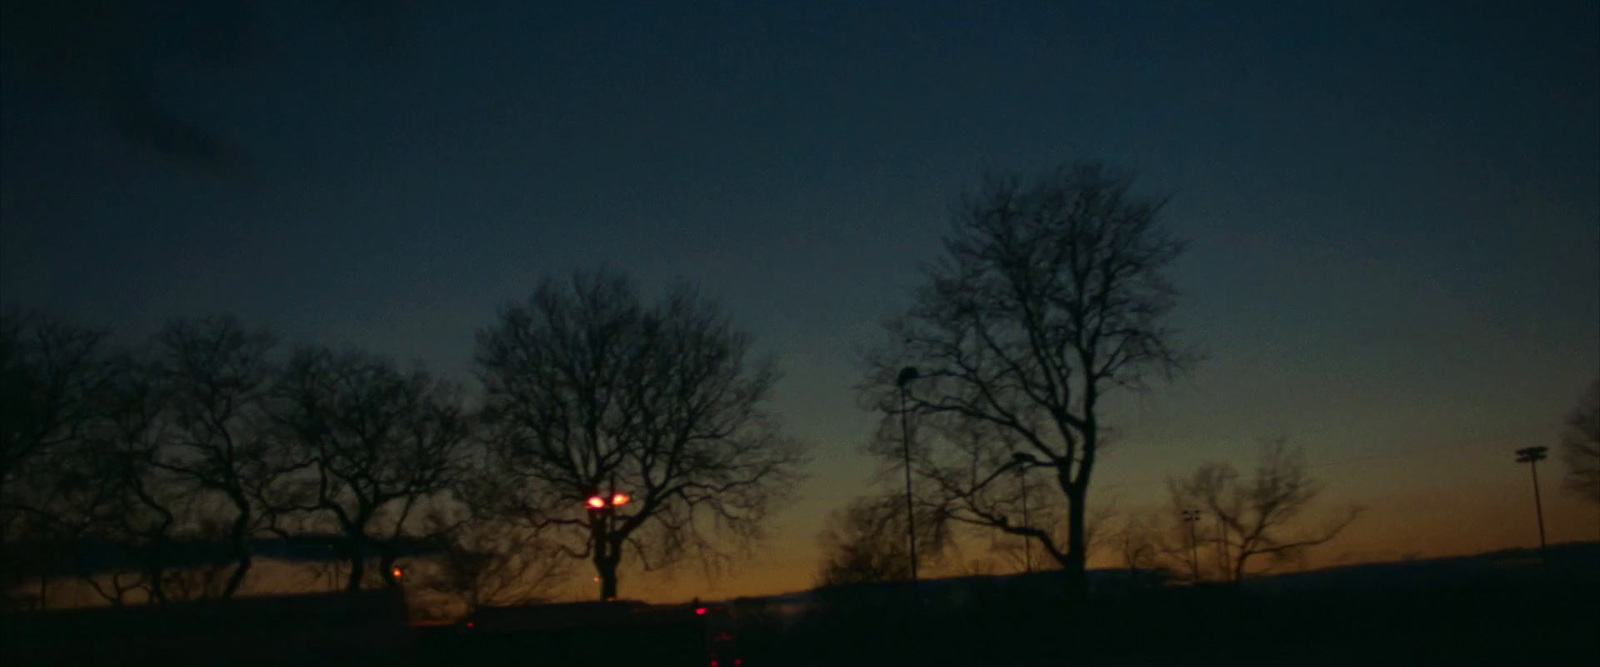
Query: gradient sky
(1394,210)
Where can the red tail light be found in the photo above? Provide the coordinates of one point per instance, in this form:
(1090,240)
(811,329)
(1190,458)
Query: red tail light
(699,611)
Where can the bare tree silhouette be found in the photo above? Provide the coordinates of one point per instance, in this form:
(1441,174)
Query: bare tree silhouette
(1580,446)
(53,381)
(51,377)
(865,542)
(217,375)
(491,562)
(1257,514)
(652,413)
(383,446)
(1051,295)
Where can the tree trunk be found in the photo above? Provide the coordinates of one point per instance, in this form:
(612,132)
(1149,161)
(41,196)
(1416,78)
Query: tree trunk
(358,571)
(241,547)
(386,570)
(158,592)
(606,567)
(1077,548)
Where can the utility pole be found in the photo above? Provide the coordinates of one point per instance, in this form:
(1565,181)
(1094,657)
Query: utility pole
(1532,456)
(1192,517)
(908,374)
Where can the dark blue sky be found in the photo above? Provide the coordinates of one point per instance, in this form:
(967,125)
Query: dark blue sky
(1395,210)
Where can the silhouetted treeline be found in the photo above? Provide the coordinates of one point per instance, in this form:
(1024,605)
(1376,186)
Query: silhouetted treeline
(180,453)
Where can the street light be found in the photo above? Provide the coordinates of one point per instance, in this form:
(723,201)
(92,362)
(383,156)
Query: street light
(908,374)
(1192,517)
(1023,461)
(1532,456)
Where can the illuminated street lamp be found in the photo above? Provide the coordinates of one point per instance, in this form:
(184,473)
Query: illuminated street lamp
(1532,456)
(1192,517)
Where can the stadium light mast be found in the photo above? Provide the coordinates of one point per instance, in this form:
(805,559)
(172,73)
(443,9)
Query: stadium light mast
(1192,517)
(1532,456)
(1023,461)
(907,375)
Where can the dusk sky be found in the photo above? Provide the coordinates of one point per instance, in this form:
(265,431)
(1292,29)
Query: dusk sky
(1394,208)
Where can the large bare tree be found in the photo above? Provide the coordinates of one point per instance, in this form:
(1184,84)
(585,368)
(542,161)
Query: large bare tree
(382,448)
(1580,446)
(1260,516)
(651,412)
(216,375)
(53,380)
(52,376)
(1051,296)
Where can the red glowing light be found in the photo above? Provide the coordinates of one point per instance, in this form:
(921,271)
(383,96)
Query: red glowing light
(699,611)
(619,499)
(396,572)
(596,502)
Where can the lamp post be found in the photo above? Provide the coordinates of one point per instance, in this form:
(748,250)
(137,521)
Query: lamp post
(1023,460)
(1192,517)
(908,374)
(1532,456)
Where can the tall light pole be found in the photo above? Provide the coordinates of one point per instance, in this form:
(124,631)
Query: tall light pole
(1023,460)
(908,374)
(1532,456)
(1192,517)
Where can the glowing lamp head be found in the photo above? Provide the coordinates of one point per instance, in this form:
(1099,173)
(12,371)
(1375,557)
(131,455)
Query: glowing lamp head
(596,502)
(396,572)
(619,499)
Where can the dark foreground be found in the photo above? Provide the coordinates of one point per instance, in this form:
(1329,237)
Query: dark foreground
(1515,614)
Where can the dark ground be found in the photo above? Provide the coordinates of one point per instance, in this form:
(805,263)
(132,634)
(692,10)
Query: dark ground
(1500,609)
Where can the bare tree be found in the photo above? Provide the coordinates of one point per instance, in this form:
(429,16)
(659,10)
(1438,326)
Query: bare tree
(491,563)
(1050,297)
(651,412)
(53,377)
(1258,514)
(216,374)
(1580,446)
(382,446)
(866,542)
